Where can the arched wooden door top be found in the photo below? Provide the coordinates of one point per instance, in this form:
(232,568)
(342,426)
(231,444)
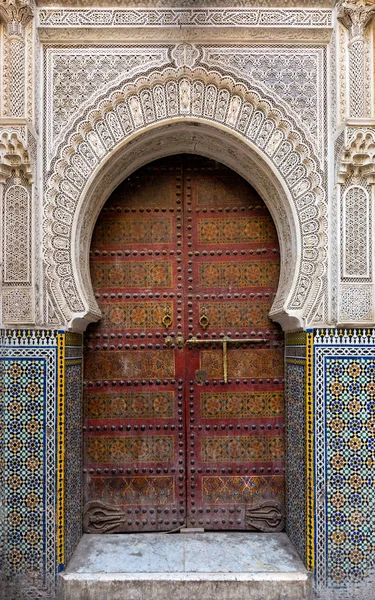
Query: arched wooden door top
(184,373)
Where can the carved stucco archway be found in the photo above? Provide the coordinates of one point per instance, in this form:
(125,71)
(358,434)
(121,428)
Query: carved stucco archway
(185,110)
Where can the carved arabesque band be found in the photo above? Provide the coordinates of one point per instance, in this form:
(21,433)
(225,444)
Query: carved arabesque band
(239,116)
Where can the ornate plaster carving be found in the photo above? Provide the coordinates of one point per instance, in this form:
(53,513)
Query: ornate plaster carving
(14,158)
(17,14)
(356,304)
(291,76)
(187,3)
(186,17)
(84,74)
(355,15)
(245,127)
(358,157)
(356,225)
(17,305)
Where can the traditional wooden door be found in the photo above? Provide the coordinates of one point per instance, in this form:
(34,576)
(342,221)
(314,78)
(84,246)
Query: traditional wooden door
(183,400)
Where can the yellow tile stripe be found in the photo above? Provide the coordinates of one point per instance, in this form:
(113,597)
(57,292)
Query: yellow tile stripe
(309,415)
(60,449)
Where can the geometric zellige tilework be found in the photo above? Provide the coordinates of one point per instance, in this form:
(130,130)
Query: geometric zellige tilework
(73,456)
(24,486)
(296,452)
(350,430)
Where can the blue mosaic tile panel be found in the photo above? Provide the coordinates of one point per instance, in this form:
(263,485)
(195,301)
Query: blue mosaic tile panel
(73,456)
(295,439)
(350,431)
(24,451)
(28,411)
(344,412)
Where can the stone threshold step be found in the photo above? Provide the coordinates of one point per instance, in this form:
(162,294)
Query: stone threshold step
(203,566)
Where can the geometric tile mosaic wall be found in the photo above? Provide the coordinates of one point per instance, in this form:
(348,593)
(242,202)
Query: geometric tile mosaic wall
(73,443)
(39,410)
(41,496)
(296,450)
(344,374)
(299,435)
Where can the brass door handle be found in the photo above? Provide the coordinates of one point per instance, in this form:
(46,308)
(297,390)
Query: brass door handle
(203,319)
(167,319)
(224,341)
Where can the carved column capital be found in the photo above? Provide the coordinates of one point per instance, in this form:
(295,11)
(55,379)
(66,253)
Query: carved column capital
(355,15)
(358,158)
(14,158)
(17,14)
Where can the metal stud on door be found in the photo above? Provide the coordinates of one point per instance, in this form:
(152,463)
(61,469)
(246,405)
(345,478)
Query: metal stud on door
(185,362)
(234,366)
(134,411)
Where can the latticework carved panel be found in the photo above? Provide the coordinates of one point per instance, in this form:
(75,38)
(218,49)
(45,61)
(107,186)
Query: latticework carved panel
(199,95)
(356,220)
(16,235)
(356,69)
(17,78)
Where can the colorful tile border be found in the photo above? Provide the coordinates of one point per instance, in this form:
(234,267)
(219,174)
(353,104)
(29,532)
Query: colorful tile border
(41,378)
(344,384)
(73,442)
(60,467)
(295,374)
(29,364)
(309,431)
(333,525)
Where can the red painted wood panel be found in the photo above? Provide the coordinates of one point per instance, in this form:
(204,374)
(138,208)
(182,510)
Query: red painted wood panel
(167,441)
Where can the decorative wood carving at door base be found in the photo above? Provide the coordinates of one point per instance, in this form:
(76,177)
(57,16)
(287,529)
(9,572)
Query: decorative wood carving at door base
(268,516)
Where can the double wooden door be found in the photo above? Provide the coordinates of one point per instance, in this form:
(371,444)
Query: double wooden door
(183,396)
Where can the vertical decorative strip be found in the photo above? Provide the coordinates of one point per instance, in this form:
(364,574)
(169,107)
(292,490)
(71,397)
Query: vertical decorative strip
(309,399)
(60,449)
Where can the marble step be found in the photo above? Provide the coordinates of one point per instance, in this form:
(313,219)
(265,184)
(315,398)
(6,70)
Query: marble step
(185,566)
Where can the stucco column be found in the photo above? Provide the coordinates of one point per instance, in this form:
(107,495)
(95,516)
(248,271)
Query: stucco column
(15,15)
(356,15)
(16,176)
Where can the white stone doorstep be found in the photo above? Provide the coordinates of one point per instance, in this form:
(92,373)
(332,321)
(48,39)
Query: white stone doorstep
(261,576)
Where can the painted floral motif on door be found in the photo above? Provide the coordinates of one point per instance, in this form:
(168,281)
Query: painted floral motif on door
(184,407)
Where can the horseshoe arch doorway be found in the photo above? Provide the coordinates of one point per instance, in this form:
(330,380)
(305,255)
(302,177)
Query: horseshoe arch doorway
(183,395)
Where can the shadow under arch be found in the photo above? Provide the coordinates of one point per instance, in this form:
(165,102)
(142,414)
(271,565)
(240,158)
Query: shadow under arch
(201,113)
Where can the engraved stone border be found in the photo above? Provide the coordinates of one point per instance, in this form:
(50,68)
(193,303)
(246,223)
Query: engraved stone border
(88,163)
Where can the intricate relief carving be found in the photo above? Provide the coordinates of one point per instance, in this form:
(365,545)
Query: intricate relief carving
(342,73)
(290,75)
(86,72)
(204,97)
(186,17)
(356,226)
(356,15)
(17,14)
(185,55)
(18,305)
(14,158)
(359,156)
(16,235)
(183,3)
(356,303)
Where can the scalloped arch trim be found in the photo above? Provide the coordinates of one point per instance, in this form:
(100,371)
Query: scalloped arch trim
(164,97)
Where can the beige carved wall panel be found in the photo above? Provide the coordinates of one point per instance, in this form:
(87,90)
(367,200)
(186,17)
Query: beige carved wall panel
(247,86)
(239,115)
